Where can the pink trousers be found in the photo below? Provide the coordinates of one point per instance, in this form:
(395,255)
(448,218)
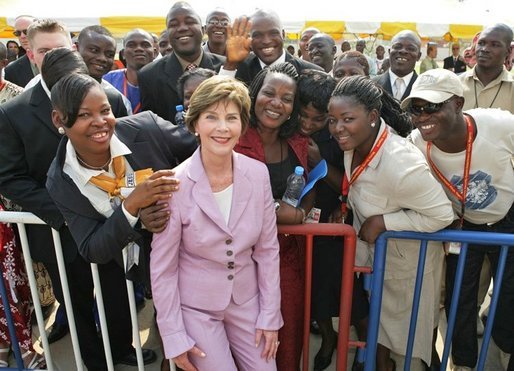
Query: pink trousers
(227,337)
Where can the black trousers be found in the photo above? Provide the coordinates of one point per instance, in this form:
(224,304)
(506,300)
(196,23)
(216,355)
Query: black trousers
(117,311)
(464,340)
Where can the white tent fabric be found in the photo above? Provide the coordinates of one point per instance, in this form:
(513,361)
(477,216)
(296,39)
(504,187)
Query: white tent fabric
(432,18)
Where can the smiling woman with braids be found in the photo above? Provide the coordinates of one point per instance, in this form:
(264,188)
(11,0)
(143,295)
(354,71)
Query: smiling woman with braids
(389,187)
(273,138)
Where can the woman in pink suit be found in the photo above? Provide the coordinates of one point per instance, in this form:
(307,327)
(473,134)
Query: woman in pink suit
(215,268)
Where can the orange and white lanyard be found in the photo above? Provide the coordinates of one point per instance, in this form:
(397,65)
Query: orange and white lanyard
(125,93)
(461,196)
(345,188)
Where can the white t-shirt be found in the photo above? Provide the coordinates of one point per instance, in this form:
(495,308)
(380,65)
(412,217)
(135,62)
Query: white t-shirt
(491,185)
(224,201)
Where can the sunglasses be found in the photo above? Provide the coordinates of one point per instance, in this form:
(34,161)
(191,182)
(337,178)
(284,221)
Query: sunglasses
(428,108)
(18,33)
(217,22)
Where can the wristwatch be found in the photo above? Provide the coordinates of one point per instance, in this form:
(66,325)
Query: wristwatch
(277,206)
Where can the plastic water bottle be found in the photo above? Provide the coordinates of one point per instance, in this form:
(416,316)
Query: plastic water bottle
(179,116)
(295,185)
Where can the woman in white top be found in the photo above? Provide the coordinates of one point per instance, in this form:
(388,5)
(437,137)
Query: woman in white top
(390,188)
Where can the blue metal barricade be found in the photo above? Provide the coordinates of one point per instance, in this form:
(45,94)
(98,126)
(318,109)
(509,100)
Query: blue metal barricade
(465,237)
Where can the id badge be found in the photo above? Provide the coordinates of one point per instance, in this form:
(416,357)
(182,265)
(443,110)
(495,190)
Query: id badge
(313,216)
(132,255)
(454,248)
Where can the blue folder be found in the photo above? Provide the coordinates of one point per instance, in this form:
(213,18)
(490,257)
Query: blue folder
(319,172)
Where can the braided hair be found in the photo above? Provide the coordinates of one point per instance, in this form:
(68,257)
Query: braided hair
(292,124)
(372,96)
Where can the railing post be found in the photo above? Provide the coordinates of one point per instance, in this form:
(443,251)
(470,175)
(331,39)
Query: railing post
(345,306)
(377,280)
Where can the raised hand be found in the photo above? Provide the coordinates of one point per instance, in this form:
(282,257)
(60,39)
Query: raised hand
(238,42)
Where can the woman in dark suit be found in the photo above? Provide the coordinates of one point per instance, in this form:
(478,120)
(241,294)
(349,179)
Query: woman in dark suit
(106,172)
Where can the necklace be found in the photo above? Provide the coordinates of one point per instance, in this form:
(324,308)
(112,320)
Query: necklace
(476,95)
(86,165)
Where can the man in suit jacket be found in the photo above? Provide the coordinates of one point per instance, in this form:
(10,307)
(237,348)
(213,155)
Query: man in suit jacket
(267,46)
(158,80)
(455,62)
(405,51)
(29,141)
(22,70)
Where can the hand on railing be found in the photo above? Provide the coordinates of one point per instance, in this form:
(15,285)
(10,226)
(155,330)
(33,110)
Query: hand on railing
(371,228)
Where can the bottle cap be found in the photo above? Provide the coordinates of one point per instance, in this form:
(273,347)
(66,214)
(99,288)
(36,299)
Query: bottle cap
(179,107)
(298,170)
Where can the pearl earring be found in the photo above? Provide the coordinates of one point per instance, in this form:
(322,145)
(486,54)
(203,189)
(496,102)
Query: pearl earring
(373,124)
(61,130)
(196,134)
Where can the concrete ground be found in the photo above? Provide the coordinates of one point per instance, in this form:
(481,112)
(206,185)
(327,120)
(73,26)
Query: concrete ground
(62,353)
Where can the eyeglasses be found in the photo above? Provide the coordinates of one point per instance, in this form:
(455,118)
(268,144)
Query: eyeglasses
(217,22)
(428,108)
(18,33)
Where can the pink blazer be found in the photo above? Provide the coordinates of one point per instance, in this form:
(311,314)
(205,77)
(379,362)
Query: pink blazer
(201,262)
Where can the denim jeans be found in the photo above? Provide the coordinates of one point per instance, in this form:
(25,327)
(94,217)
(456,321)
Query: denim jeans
(464,340)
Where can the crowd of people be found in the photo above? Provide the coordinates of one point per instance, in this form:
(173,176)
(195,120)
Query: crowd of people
(95,152)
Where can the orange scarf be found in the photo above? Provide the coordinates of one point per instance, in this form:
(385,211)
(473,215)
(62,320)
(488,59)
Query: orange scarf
(113,185)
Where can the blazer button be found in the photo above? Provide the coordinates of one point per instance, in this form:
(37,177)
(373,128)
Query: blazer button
(230,265)
(230,252)
(230,277)
(228,241)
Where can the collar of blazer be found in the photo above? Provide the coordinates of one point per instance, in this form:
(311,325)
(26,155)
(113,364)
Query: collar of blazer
(64,191)
(241,192)
(42,107)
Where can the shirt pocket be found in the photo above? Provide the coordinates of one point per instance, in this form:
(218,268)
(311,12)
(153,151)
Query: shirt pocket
(370,203)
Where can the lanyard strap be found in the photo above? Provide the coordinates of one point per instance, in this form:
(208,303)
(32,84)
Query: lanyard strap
(461,196)
(137,108)
(345,187)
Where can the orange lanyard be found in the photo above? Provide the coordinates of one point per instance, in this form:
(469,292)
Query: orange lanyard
(345,188)
(461,196)
(125,93)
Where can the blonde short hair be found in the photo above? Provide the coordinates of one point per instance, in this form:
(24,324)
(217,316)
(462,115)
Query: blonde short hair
(216,89)
(46,26)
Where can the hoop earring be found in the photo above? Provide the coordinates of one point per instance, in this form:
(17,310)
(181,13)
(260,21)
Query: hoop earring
(61,130)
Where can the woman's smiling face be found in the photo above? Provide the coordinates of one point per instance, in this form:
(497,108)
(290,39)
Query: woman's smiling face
(275,101)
